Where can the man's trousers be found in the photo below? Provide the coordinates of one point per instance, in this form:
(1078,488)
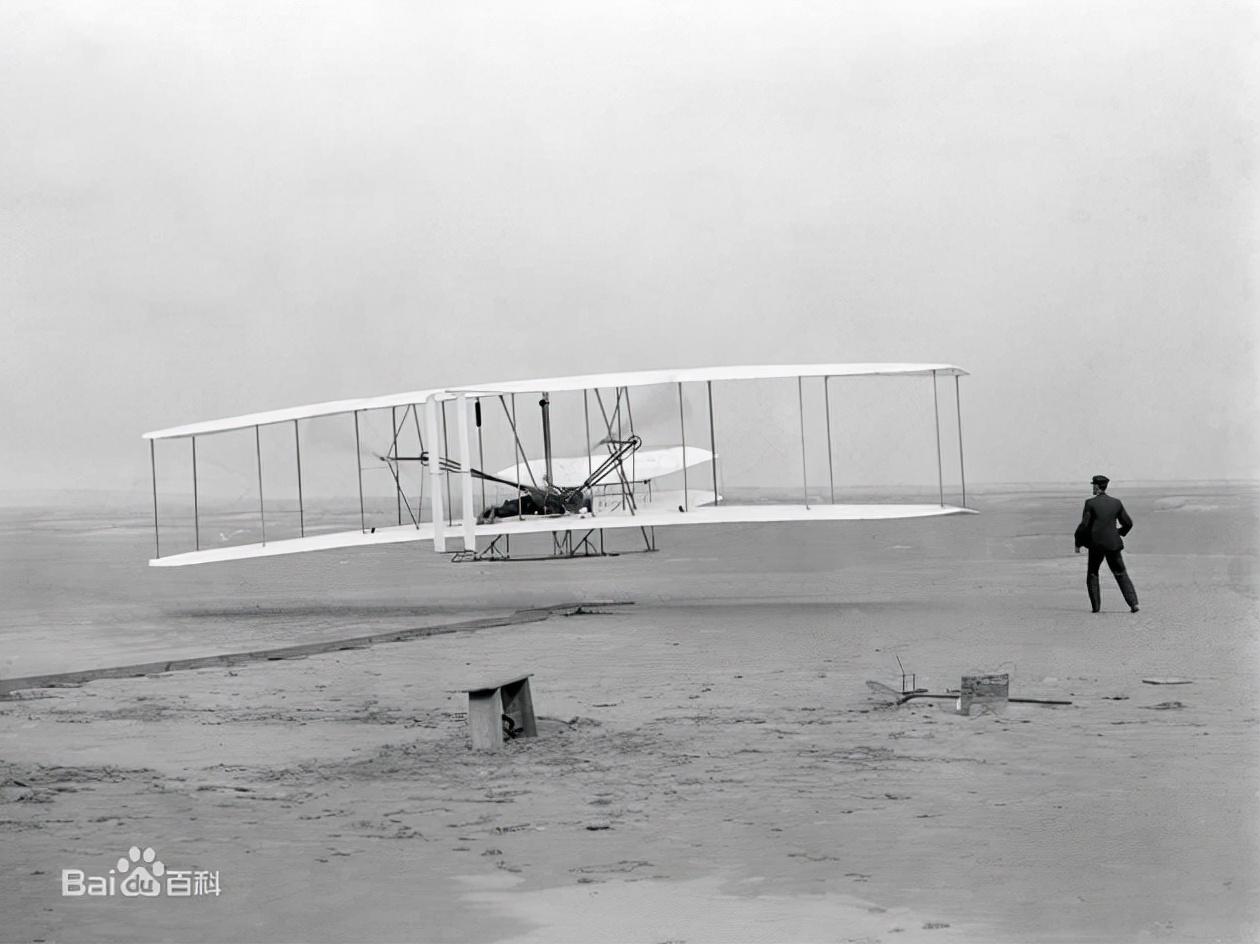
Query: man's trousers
(1115,561)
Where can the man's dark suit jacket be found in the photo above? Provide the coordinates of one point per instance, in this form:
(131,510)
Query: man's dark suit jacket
(1098,523)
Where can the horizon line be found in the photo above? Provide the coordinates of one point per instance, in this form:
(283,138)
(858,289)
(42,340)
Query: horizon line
(9,496)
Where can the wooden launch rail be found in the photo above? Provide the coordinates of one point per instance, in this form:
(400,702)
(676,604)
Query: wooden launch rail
(62,679)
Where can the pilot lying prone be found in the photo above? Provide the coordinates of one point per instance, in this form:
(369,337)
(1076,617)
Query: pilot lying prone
(550,504)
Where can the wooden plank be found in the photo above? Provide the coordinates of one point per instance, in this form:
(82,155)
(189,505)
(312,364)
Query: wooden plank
(511,680)
(59,679)
(988,692)
(485,720)
(519,705)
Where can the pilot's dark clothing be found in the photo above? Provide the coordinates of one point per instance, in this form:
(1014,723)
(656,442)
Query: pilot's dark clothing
(1098,532)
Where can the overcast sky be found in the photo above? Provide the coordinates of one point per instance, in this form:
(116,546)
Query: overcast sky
(212,209)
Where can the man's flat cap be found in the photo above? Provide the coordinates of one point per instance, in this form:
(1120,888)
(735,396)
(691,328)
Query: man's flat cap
(1100,480)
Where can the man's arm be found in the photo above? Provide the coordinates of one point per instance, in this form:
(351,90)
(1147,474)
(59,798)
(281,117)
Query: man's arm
(1082,530)
(1126,523)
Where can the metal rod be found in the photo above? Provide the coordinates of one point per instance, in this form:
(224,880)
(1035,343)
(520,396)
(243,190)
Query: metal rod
(157,540)
(831,470)
(936,412)
(586,420)
(545,405)
(682,425)
(393,424)
(627,487)
(297,450)
(520,452)
(519,448)
(446,476)
(630,421)
(712,439)
(415,415)
(800,395)
(481,449)
(262,514)
(393,470)
(435,484)
(962,470)
(358,464)
(465,474)
(196,514)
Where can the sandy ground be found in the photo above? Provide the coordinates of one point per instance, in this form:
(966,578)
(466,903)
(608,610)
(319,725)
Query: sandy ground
(710,767)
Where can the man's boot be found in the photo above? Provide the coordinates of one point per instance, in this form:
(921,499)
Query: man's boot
(1126,588)
(1095,595)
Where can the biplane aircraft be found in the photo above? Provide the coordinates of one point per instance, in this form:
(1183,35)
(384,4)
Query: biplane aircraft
(427,455)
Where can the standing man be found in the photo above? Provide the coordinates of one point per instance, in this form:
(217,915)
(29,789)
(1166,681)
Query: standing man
(1098,532)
